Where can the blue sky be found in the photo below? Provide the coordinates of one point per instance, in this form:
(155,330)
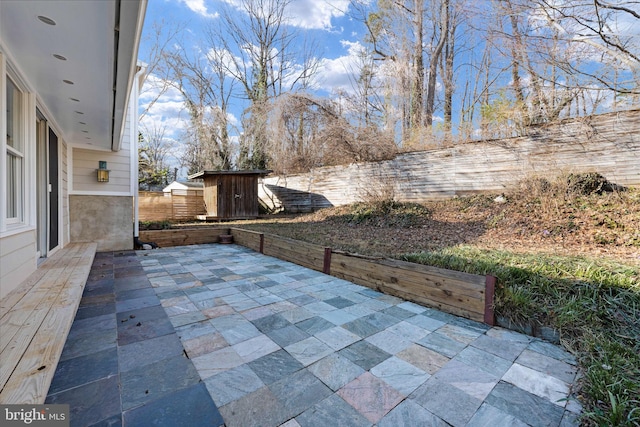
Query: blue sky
(326,21)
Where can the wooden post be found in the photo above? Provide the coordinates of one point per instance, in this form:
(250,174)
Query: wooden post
(326,268)
(262,243)
(489,297)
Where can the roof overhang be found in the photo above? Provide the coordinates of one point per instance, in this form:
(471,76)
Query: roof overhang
(84,89)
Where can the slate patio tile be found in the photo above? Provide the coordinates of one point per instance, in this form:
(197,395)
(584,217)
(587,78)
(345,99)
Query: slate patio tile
(469,379)
(447,402)
(412,307)
(332,411)
(442,344)
(423,358)
(269,323)
(90,403)
(153,350)
(139,329)
(288,335)
(218,361)
(425,322)
(257,409)
(299,392)
(488,362)
(308,350)
(255,348)
(488,415)
(553,351)
(84,369)
(203,344)
(508,350)
(548,365)
(191,406)
(338,317)
(275,366)
(155,380)
(401,375)
(524,406)
(409,331)
(458,333)
(364,354)
(410,413)
(185,319)
(257,313)
(337,337)
(388,341)
(297,314)
(537,383)
(233,384)
(362,327)
(370,396)
(193,330)
(398,312)
(314,325)
(335,371)
(339,302)
(239,333)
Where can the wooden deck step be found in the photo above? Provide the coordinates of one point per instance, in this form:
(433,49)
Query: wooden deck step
(35,320)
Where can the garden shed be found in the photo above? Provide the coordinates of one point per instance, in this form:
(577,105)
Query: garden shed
(230,194)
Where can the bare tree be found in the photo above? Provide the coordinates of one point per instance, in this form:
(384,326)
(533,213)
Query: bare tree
(265,61)
(153,148)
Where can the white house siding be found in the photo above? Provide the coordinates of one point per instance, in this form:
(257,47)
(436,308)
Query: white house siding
(85,163)
(103,212)
(18,260)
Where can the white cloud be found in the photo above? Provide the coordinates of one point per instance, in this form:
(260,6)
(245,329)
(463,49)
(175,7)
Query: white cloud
(199,7)
(316,14)
(341,72)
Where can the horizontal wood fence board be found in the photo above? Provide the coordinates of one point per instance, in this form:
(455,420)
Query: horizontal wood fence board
(176,206)
(607,143)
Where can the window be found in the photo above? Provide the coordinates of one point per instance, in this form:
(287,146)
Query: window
(15,154)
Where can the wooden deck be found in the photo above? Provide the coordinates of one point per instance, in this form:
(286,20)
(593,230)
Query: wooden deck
(35,320)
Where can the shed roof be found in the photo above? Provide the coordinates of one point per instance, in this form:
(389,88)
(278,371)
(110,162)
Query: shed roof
(259,172)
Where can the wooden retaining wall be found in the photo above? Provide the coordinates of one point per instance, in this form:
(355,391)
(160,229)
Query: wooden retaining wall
(467,295)
(607,143)
(179,205)
(183,236)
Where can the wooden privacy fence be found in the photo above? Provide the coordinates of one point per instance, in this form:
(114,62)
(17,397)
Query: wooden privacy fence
(606,143)
(463,294)
(179,205)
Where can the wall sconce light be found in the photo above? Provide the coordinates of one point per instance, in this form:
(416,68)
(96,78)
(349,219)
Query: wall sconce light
(103,172)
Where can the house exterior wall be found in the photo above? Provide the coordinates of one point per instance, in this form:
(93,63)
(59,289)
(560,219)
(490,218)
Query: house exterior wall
(103,212)
(87,210)
(106,220)
(18,259)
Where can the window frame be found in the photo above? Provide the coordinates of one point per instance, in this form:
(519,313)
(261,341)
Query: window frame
(25,218)
(17,192)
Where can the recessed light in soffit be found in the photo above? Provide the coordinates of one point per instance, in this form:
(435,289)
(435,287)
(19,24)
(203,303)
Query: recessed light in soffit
(60,57)
(69,82)
(46,20)
(75,99)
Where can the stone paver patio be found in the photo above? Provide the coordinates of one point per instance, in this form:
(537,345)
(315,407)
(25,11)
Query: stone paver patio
(213,334)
